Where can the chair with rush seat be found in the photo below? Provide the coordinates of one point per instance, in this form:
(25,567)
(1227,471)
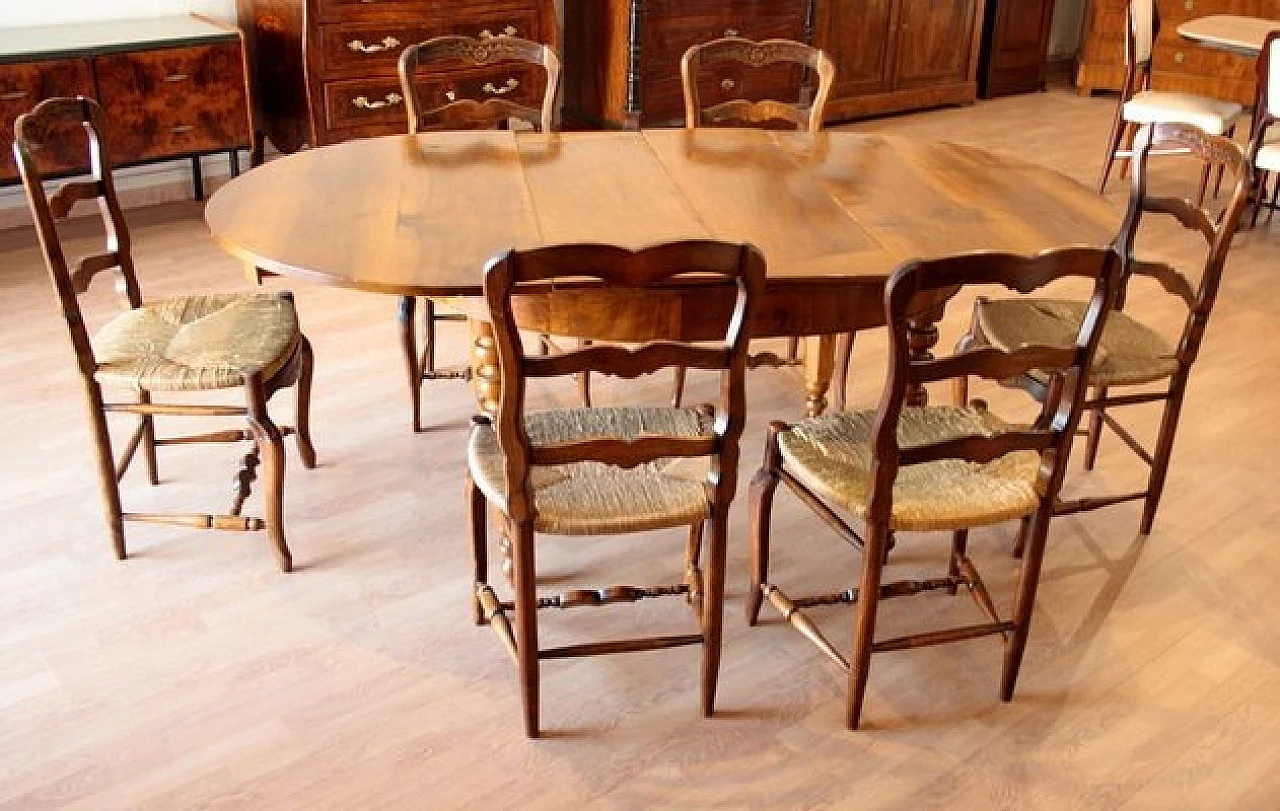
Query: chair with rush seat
(619,469)
(899,468)
(1133,355)
(199,343)
(495,106)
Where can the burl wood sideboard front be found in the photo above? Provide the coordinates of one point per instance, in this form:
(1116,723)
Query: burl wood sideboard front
(324,71)
(171,87)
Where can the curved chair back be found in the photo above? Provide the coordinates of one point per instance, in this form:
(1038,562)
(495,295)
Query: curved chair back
(668,296)
(493,102)
(803,115)
(46,128)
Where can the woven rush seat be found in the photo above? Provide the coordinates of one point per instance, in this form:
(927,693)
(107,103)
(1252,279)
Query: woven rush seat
(1129,354)
(592,498)
(1164,106)
(197,343)
(831,455)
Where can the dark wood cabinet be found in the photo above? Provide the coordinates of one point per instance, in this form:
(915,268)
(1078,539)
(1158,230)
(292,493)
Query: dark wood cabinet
(324,71)
(170,87)
(622,57)
(1015,44)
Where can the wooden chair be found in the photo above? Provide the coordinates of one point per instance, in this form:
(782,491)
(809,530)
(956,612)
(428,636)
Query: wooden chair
(931,468)
(606,471)
(1133,354)
(195,343)
(499,105)
(1139,104)
(805,115)
(1264,149)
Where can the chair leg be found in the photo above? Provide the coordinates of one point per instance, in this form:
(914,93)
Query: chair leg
(1020,543)
(1205,172)
(1127,146)
(713,608)
(1118,127)
(959,546)
(840,381)
(107,483)
(864,624)
(584,379)
(763,485)
(1163,451)
(1222,167)
(302,404)
(1096,425)
(149,442)
(526,609)
(427,362)
(677,386)
(960,383)
(477,515)
(1028,580)
(1259,194)
(271,449)
(409,344)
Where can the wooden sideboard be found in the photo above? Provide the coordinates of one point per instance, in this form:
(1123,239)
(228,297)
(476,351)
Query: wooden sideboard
(622,56)
(170,87)
(1177,63)
(324,71)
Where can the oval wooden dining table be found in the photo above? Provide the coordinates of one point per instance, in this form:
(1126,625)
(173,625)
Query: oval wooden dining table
(834,213)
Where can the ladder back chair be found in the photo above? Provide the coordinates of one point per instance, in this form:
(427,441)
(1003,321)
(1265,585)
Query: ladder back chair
(1139,104)
(1264,148)
(499,104)
(805,115)
(618,469)
(199,343)
(1133,354)
(900,468)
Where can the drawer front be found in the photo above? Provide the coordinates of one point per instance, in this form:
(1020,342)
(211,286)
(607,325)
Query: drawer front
(364,49)
(22,86)
(361,103)
(671,28)
(1180,56)
(174,101)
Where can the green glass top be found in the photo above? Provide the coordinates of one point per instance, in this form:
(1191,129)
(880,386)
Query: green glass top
(105,36)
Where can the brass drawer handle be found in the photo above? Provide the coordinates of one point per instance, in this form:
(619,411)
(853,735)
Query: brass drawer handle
(451,95)
(507,87)
(386,44)
(509,31)
(390,100)
(14,95)
(182,129)
(1189,5)
(176,77)
(727,84)
(730,32)
(1179,57)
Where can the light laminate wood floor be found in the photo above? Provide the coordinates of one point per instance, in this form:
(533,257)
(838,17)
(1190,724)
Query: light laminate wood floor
(195,675)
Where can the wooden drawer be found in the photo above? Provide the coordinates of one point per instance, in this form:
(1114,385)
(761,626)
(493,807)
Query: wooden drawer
(671,27)
(361,49)
(360,103)
(1181,56)
(22,86)
(173,101)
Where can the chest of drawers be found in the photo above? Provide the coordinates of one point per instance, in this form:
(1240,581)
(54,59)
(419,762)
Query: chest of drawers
(170,87)
(325,70)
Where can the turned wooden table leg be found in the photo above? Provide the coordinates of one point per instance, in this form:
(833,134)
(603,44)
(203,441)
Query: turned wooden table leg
(922,337)
(485,376)
(819,364)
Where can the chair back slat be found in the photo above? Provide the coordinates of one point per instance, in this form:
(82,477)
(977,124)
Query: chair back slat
(626,362)
(1051,432)
(33,132)
(617,280)
(1142,30)
(471,113)
(623,453)
(804,114)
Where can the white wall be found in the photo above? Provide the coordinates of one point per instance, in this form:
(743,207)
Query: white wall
(15,13)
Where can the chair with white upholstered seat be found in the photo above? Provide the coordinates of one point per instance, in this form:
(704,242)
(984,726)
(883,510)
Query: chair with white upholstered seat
(1264,145)
(200,343)
(1139,104)
(620,469)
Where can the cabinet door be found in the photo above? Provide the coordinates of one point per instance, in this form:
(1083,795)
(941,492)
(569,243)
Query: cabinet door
(1015,55)
(935,42)
(22,86)
(856,34)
